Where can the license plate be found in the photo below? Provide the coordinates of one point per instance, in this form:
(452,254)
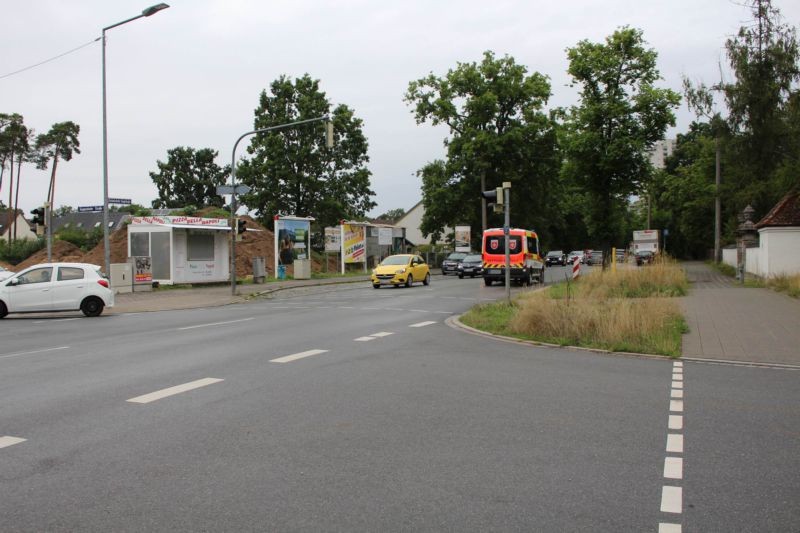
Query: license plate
(386,282)
(494,271)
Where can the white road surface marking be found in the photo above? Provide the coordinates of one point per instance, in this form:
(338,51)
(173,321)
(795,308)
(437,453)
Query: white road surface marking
(677,377)
(671,499)
(675,422)
(422,324)
(33,352)
(674,443)
(382,334)
(676,393)
(217,323)
(677,384)
(296,356)
(364,339)
(677,364)
(171,391)
(7,441)
(669,528)
(673,467)
(676,406)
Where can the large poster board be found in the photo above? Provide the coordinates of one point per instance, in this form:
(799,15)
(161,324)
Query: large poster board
(292,240)
(354,244)
(462,239)
(333,240)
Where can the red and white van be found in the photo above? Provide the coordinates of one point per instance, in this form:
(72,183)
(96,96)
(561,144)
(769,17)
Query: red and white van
(526,262)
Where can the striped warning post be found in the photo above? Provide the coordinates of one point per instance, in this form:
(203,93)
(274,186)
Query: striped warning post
(576,267)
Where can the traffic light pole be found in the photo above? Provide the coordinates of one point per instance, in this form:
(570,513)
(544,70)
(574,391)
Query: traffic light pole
(506,230)
(48,232)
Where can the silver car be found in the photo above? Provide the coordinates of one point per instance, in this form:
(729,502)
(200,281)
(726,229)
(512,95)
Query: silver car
(56,287)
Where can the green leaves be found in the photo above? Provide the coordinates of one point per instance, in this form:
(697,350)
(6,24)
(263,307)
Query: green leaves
(498,133)
(189,177)
(291,171)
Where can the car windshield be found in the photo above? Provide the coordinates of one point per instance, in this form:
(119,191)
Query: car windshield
(395,260)
(456,256)
(555,253)
(473,259)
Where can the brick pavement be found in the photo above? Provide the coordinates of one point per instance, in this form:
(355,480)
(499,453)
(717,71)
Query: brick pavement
(735,323)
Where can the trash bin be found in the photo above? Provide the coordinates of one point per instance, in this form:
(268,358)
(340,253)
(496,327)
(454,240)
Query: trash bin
(259,270)
(281,271)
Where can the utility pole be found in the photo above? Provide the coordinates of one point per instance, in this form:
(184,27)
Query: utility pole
(506,230)
(717,204)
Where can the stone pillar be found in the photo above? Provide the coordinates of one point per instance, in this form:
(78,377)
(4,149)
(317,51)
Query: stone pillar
(746,236)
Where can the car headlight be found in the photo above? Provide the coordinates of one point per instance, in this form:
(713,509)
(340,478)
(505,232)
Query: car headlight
(401,271)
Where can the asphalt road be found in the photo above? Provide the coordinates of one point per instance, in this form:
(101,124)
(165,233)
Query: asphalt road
(346,408)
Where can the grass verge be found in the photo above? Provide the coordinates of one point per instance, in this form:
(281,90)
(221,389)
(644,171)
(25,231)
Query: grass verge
(625,311)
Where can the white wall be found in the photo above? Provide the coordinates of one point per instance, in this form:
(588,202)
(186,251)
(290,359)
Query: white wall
(780,251)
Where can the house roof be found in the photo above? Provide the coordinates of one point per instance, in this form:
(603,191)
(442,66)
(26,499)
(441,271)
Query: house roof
(785,213)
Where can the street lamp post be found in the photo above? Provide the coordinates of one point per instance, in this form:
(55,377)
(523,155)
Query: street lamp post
(329,142)
(152,10)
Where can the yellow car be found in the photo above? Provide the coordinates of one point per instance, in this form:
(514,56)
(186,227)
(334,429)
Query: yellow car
(402,269)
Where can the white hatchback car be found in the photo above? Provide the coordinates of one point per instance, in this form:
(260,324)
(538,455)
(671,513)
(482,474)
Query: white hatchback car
(56,287)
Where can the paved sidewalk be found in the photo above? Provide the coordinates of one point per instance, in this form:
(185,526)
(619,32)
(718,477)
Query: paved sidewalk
(198,296)
(733,323)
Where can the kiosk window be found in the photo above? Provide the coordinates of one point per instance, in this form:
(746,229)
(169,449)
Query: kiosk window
(200,247)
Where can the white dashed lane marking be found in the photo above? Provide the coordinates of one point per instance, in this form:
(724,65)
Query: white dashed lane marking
(422,324)
(675,422)
(671,499)
(7,441)
(32,352)
(364,339)
(216,324)
(669,528)
(177,389)
(296,356)
(674,443)
(673,467)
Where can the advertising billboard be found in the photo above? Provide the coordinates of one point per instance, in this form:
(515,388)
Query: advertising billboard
(354,240)
(462,239)
(292,240)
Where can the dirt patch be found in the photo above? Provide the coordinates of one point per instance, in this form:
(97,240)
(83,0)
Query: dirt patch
(118,244)
(8,266)
(63,252)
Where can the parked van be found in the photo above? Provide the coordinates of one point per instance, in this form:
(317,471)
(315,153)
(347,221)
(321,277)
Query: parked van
(526,264)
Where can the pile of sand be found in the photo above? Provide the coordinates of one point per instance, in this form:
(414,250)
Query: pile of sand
(63,252)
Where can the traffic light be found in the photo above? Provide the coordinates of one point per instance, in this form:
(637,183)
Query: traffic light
(240,224)
(495,198)
(38,216)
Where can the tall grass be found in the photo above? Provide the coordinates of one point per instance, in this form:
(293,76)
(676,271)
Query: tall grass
(629,310)
(785,283)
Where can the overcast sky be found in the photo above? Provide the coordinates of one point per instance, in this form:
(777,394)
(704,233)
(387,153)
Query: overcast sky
(191,74)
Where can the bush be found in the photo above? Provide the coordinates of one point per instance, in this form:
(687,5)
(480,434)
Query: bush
(19,250)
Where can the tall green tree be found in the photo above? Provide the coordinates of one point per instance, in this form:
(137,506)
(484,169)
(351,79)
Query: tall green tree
(189,177)
(291,171)
(14,148)
(61,142)
(499,132)
(765,61)
(620,115)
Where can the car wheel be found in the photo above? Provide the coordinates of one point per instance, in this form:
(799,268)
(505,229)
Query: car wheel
(3,310)
(461,276)
(444,273)
(529,278)
(409,280)
(92,306)
(427,280)
(487,281)
(376,285)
